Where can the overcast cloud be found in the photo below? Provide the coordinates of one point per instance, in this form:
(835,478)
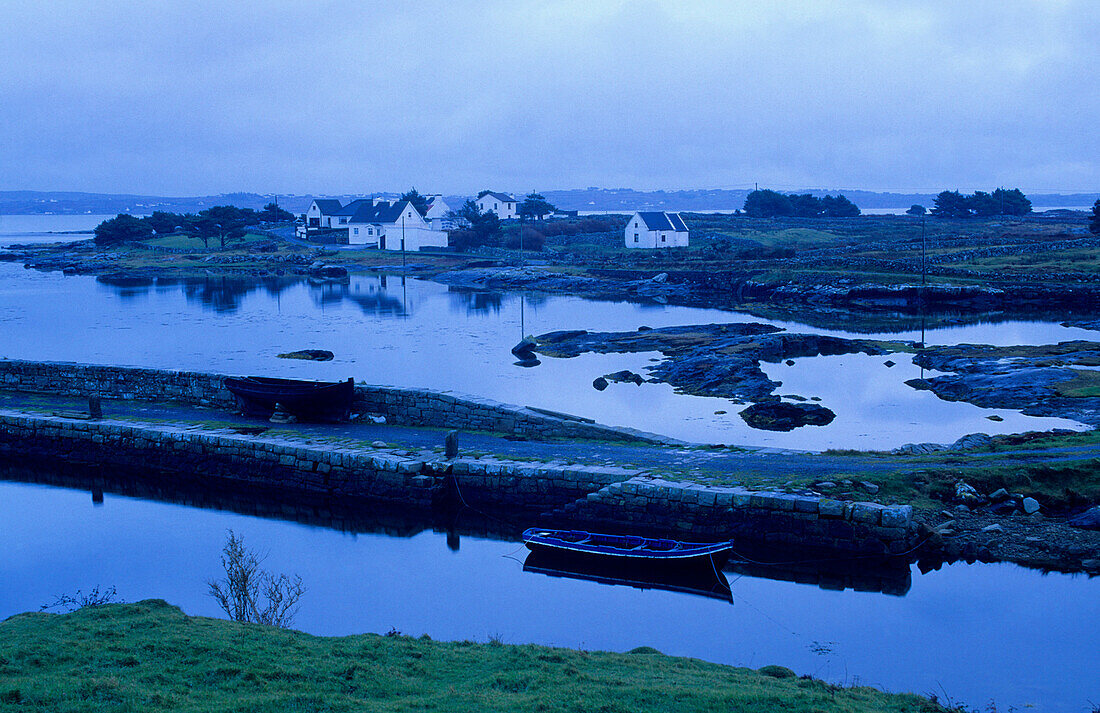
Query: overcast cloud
(204,96)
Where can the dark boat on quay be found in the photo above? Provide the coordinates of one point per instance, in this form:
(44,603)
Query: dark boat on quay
(594,546)
(307,400)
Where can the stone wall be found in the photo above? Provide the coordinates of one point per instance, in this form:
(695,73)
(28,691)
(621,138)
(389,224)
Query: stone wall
(586,497)
(775,518)
(411,407)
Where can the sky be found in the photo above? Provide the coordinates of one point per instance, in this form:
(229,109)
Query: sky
(197,97)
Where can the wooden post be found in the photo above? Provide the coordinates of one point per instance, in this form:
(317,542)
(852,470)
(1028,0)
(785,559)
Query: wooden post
(95,407)
(450,444)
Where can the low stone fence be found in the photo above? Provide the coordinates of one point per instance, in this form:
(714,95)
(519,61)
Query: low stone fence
(771,517)
(588,497)
(404,406)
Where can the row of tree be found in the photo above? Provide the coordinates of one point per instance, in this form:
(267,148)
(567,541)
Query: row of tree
(483,227)
(224,222)
(1094,221)
(772,204)
(952,204)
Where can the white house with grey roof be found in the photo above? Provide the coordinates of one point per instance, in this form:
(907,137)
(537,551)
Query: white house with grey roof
(392,226)
(321,212)
(502,204)
(656,230)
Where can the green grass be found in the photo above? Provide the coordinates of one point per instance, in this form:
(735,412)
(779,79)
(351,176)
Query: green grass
(150,656)
(1085,384)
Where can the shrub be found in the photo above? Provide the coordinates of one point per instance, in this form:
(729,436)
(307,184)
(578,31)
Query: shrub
(250,594)
(777,671)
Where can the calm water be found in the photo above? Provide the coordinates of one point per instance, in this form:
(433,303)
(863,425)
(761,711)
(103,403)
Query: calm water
(418,333)
(978,633)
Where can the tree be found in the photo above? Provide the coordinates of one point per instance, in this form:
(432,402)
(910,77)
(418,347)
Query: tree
(1012,202)
(535,206)
(839,207)
(916,209)
(272,213)
(228,222)
(250,594)
(162,221)
(767,204)
(1094,223)
(484,227)
(804,206)
(982,204)
(418,201)
(951,204)
(122,228)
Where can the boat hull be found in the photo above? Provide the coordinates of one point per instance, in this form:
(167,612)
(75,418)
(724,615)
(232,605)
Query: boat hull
(624,548)
(306,400)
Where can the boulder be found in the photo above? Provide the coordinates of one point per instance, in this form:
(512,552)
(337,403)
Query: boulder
(918,449)
(525,348)
(782,416)
(1030,505)
(999,494)
(869,487)
(965,493)
(1088,520)
(970,441)
(625,376)
(308,355)
(599,383)
(993,528)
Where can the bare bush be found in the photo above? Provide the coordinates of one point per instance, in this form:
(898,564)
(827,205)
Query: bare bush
(251,594)
(94,598)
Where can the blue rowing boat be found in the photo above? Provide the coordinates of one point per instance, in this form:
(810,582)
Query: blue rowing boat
(624,547)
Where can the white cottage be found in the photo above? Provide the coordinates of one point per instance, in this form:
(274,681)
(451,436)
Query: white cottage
(437,213)
(392,226)
(502,204)
(656,230)
(321,212)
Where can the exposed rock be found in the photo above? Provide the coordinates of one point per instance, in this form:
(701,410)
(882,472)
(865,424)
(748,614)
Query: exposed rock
(918,449)
(660,278)
(825,485)
(889,363)
(995,417)
(379,444)
(308,355)
(965,493)
(781,416)
(1030,505)
(710,359)
(599,383)
(999,494)
(869,487)
(525,347)
(995,527)
(1088,520)
(327,272)
(625,377)
(971,441)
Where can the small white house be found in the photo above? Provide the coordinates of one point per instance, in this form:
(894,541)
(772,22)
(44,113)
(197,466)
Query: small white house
(502,204)
(320,213)
(656,230)
(392,226)
(437,213)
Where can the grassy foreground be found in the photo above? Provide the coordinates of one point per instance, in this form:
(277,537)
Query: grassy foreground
(151,656)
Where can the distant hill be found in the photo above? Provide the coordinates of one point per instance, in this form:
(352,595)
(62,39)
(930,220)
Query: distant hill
(624,200)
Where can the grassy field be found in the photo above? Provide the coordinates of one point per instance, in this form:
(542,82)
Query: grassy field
(150,656)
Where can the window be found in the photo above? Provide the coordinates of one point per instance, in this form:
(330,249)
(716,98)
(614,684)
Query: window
(370,231)
(662,238)
(635,237)
(343,221)
(356,231)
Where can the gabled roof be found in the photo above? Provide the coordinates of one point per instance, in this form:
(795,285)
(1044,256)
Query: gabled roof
(350,208)
(502,197)
(328,206)
(663,221)
(383,212)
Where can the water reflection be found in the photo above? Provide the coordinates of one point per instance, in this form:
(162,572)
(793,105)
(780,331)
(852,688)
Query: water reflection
(361,515)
